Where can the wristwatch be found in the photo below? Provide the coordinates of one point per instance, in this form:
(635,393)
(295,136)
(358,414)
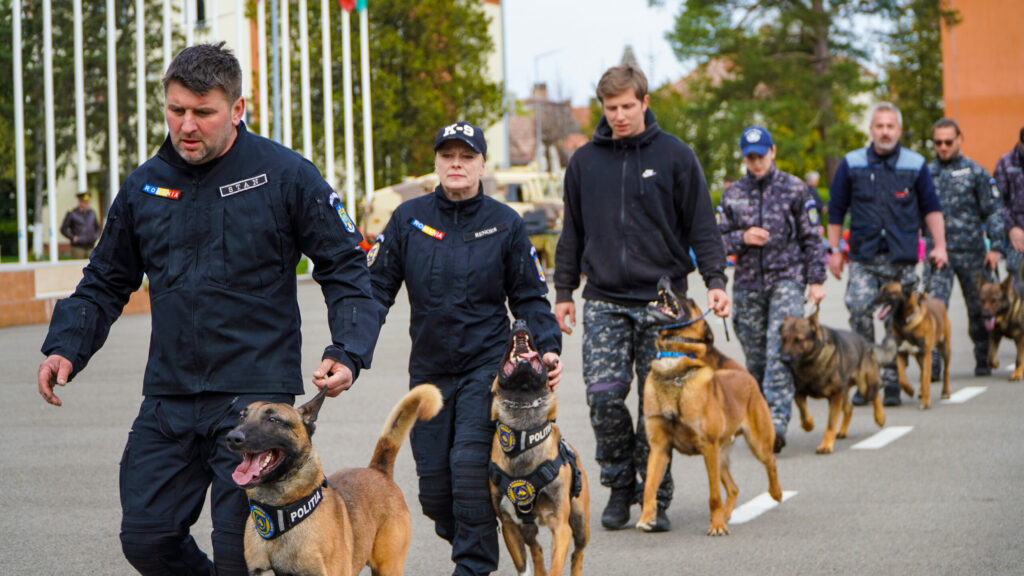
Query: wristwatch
(834,250)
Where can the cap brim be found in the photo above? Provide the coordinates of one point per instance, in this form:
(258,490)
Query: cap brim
(759,149)
(468,141)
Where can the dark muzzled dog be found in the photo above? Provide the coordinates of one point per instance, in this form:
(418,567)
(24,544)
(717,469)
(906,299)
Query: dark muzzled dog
(919,323)
(694,405)
(827,363)
(537,478)
(1002,309)
(303,523)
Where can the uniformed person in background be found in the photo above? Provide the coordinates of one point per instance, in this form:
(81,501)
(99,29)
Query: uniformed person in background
(1009,176)
(82,227)
(890,196)
(769,219)
(971,209)
(462,256)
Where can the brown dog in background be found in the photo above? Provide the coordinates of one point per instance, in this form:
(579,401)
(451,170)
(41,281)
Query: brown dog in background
(1003,310)
(919,324)
(359,518)
(827,363)
(691,406)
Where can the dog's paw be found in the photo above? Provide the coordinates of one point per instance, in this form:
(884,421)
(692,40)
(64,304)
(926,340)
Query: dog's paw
(718,530)
(945,395)
(994,364)
(823,449)
(1016,376)
(807,425)
(645,526)
(925,405)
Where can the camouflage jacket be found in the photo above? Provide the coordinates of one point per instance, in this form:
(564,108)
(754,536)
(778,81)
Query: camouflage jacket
(971,206)
(784,206)
(1009,176)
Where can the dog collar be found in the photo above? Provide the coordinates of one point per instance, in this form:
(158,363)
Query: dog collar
(523,405)
(514,442)
(663,354)
(272,521)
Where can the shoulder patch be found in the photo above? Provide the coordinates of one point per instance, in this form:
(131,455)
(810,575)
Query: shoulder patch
(338,207)
(371,255)
(993,187)
(812,212)
(536,262)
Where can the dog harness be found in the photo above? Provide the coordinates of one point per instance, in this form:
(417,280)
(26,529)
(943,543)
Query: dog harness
(514,442)
(522,491)
(272,521)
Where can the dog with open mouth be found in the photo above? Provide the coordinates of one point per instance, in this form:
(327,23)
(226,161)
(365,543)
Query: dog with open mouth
(919,323)
(1002,308)
(696,401)
(302,522)
(536,477)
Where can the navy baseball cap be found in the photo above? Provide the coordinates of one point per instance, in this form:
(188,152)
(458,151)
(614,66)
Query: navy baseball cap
(471,135)
(755,140)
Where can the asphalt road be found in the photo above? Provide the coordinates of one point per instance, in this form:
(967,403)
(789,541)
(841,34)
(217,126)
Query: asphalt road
(945,498)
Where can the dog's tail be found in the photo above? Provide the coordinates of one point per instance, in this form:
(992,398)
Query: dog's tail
(421,403)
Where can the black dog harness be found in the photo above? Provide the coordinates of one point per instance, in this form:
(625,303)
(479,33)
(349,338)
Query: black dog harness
(272,521)
(522,491)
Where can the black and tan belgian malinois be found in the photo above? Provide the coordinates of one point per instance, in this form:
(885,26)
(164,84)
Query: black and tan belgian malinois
(537,478)
(696,408)
(303,523)
(919,324)
(827,363)
(1003,310)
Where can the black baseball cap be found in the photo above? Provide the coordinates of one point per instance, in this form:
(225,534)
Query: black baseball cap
(464,131)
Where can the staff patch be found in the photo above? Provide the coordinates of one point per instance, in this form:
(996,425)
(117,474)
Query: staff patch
(243,185)
(961,172)
(491,231)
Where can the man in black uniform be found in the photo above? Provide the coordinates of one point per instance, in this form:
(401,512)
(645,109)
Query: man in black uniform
(462,255)
(217,221)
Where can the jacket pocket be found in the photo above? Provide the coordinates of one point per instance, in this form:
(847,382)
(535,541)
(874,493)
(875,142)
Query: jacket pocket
(246,251)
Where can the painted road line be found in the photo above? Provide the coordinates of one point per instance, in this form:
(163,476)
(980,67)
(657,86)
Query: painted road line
(758,506)
(964,394)
(882,438)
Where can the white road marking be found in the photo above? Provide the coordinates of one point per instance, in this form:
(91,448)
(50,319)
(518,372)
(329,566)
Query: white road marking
(880,439)
(964,394)
(759,505)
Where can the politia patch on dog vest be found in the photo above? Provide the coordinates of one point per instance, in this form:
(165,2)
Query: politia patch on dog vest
(272,521)
(521,492)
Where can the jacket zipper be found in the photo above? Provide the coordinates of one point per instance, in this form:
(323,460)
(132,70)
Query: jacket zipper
(622,208)
(195,271)
(760,224)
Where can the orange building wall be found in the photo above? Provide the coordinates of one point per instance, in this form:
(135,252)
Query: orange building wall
(983,75)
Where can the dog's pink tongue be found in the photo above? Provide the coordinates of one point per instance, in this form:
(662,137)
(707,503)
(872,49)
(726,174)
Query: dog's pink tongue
(884,312)
(990,324)
(248,469)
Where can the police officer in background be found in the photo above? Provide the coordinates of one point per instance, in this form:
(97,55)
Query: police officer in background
(971,208)
(889,193)
(217,221)
(462,255)
(769,219)
(1009,176)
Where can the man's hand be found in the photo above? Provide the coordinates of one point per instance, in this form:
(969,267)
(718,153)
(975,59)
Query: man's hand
(54,371)
(554,365)
(755,236)
(992,259)
(835,264)
(334,375)
(718,301)
(815,294)
(939,257)
(1017,238)
(563,309)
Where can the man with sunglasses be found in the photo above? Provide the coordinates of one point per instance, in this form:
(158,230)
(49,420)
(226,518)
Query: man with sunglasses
(1009,177)
(971,209)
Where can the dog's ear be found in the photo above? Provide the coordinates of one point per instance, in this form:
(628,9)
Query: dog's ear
(310,410)
(909,286)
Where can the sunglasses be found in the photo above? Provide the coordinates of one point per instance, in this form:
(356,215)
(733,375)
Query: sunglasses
(943,142)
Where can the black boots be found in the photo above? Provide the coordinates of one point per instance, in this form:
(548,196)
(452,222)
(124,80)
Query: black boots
(616,513)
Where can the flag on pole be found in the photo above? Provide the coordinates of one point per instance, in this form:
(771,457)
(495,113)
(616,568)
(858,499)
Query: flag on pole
(350,5)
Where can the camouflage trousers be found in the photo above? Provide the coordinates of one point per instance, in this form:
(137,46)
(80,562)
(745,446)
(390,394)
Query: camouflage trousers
(1013,259)
(968,267)
(618,341)
(866,278)
(758,324)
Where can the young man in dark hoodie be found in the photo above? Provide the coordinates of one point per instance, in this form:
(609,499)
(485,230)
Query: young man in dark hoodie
(636,202)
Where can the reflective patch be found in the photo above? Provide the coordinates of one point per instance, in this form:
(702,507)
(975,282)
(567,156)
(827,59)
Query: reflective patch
(960,172)
(243,185)
(335,203)
(161,192)
(264,526)
(993,187)
(649,173)
(521,492)
(536,262)
(506,438)
(812,212)
(436,234)
(371,256)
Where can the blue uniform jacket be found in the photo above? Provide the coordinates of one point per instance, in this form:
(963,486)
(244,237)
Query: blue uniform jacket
(219,243)
(460,262)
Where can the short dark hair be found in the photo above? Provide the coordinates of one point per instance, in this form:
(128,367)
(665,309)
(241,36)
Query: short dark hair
(946,123)
(618,79)
(204,67)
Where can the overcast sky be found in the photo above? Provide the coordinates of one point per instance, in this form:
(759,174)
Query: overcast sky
(586,37)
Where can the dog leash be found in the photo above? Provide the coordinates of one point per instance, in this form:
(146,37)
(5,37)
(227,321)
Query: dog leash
(681,324)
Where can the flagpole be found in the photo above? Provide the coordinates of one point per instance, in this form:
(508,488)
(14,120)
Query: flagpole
(325,34)
(239,43)
(364,50)
(167,34)
(80,164)
(51,153)
(140,80)
(19,134)
(211,19)
(346,69)
(112,135)
(286,84)
(307,122)
(261,54)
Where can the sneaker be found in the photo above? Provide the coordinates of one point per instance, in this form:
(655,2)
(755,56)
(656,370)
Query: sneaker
(858,399)
(616,513)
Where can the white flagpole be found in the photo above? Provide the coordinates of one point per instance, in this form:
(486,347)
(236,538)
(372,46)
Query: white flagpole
(211,19)
(51,154)
(140,81)
(81,166)
(261,54)
(19,134)
(307,121)
(190,19)
(167,34)
(325,34)
(346,69)
(240,44)
(364,50)
(112,135)
(286,83)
